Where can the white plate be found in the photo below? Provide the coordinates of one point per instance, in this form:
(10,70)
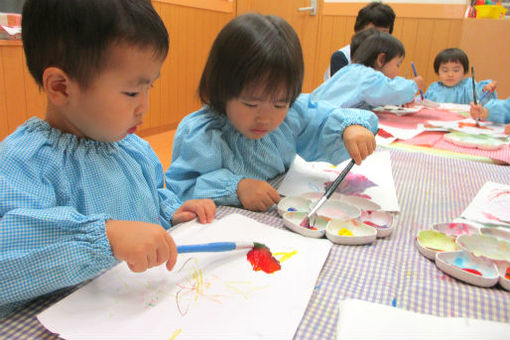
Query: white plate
(466,267)
(456,228)
(361,233)
(293,203)
(502,233)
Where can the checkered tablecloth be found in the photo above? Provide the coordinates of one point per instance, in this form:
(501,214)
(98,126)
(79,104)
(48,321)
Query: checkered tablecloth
(430,190)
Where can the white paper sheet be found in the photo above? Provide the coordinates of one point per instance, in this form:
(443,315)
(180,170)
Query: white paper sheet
(305,177)
(206,296)
(491,205)
(402,133)
(358,319)
(465,125)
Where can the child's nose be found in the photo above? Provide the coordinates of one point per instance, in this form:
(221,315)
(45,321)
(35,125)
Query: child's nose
(143,106)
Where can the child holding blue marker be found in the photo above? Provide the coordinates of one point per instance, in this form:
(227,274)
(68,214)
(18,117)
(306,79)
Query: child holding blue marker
(79,192)
(255,119)
(372,78)
(452,65)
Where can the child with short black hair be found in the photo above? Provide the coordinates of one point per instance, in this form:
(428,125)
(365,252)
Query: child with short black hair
(79,192)
(377,15)
(255,121)
(372,78)
(452,65)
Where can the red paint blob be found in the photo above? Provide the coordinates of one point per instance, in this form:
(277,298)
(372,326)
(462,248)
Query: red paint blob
(473,271)
(384,134)
(370,223)
(507,274)
(462,124)
(262,259)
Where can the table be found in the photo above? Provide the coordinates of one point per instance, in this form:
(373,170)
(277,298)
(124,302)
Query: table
(391,271)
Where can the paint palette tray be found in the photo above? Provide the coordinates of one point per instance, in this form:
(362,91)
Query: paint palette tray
(398,110)
(462,252)
(350,220)
(482,142)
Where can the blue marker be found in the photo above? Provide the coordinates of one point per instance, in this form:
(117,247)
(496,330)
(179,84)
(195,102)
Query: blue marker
(416,75)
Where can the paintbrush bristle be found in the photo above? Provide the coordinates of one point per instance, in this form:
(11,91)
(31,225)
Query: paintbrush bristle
(305,223)
(258,245)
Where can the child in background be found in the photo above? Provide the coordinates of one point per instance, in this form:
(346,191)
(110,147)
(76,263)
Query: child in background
(372,78)
(375,14)
(79,192)
(452,65)
(255,121)
(496,110)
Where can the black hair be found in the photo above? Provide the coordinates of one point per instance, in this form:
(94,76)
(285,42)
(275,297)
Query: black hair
(451,55)
(77,35)
(359,37)
(251,49)
(378,42)
(377,13)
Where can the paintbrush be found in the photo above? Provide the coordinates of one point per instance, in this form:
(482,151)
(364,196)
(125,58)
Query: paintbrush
(217,247)
(416,75)
(329,191)
(474,91)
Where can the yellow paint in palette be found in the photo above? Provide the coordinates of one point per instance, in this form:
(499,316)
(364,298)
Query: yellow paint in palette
(345,232)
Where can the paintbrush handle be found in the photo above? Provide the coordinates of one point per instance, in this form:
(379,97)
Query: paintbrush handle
(213,247)
(484,94)
(416,75)
(474,85)
(331,189)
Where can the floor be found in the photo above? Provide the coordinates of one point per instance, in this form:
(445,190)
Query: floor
(161,143)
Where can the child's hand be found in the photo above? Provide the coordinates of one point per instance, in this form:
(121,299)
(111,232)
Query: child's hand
(142,245)
(507,129)
(491,87)
(419,82)
(204,209)
(359,142)
(478,112)
(256,195)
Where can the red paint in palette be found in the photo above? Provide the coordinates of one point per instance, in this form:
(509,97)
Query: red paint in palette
(262,259)
(472,271)
(507,274)
(372,224)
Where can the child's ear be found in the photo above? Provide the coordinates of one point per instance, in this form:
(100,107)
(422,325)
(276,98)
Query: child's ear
(57,85)
(381,60)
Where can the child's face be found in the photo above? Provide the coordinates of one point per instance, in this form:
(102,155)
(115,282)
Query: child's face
(115,101)
(451,73)
(254,115)
(390,69)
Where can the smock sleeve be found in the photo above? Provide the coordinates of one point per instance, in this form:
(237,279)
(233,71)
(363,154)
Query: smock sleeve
(499,111)
(319,128)
(44,247)
(380,90)
(197,169)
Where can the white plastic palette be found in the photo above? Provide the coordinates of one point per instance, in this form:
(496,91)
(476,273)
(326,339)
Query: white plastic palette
(482,142)
(340,218)
(462,252)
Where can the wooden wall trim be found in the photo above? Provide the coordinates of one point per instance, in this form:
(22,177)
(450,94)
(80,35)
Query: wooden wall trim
(225,6)
(432,11)
(10,43)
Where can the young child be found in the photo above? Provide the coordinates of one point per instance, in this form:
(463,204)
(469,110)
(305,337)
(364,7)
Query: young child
(375,14)
(79,192)
(372,79)
(496,110)
(452,65)
(255,121)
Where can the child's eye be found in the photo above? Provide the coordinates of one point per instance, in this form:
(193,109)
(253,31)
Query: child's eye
(250,105)
(280,106)
(131,94)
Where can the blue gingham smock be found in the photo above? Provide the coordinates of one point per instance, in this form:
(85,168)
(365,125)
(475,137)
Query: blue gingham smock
(56,192)
(499,110)
(210,156)
(462,93)
(359,86)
